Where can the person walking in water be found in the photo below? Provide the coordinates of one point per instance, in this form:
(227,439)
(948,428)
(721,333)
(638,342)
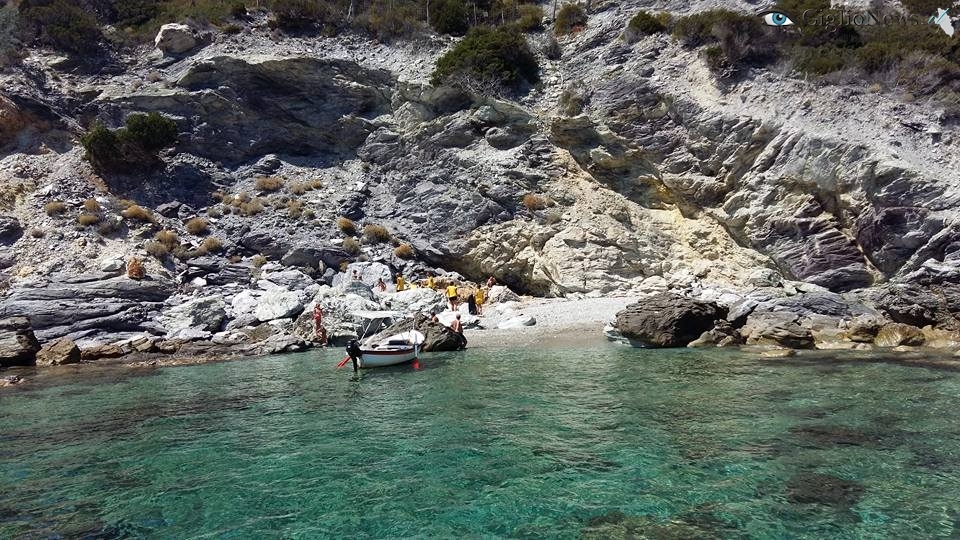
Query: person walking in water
(458,329)
(452,296)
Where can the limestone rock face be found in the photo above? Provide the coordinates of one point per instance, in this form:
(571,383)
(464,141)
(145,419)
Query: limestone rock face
(294,105)
(278,303)
(12,120)
(18,345)
(175,38)
(667,320)
(62,351)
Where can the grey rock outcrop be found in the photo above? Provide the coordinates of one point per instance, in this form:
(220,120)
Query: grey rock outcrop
(777,328)
(207,314)
(667,320)
(73,305)
(18,345)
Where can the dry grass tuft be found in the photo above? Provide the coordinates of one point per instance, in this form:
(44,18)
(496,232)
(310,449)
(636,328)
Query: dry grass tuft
(91,205)
(298,188)
(198,226)
(212,244)
(347,226)
(135,269)
(351,246)
(157,249)
(138,213)
(259,260)
(534,202)
(404,251)
(295,208)
(37,233)
(376,233)
(86,219)
(54,208)
(269,183)
(168,239)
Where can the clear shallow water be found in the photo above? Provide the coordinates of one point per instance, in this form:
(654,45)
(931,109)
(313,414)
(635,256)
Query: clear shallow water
(598,442)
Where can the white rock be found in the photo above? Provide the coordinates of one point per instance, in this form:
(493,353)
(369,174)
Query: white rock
(175,38)
(279,304)
(112,265)
(500,294)
(518,322)
(244,302)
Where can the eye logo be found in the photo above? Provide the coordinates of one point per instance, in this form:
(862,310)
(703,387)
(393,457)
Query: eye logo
(775,18)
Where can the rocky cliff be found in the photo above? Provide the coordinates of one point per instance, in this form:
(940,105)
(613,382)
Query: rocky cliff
(627,169)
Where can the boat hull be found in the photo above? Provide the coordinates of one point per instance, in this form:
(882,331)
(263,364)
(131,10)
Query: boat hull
(374,358)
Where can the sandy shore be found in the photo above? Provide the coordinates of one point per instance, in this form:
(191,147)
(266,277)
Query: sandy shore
(560,322)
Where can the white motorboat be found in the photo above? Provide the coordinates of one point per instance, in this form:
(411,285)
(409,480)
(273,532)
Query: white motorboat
(396,349)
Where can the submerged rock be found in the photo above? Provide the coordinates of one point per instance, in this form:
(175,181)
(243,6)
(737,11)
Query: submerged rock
(667,320)
(777,328)
(621,526)
(815,488)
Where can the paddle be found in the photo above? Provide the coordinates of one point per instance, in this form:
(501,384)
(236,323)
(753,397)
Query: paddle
(343,362)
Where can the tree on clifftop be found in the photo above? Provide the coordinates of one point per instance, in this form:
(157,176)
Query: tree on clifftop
(488,60)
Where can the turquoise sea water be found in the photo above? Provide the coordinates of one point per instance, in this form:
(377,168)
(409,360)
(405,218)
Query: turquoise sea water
(553,443)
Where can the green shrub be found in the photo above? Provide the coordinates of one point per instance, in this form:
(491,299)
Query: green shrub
(739,40)
(487,59)
(62,24)
(531,17)
(153,132)
(131,147)
(449,17)
(570,17)
(238,10)
(127,13)
(297,14)
(643,24)
(397,20)
(820,60)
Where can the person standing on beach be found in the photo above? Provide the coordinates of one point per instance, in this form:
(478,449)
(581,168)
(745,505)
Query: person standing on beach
(491,282)
(401,283)
(471,303)
(381,286)
(452,296)
(432,285)
(480,297)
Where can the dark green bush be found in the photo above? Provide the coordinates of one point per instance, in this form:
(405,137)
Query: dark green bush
(820,60)
(134,12)
(738,40)
(488,58)
(62,25)
(297,14)
(153,131)
(132,147)
(645,24)
(449,17)
(531,17)
(238,10)
(569,18)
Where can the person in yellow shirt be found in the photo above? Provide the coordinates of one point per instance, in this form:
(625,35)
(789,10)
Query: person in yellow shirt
(401,283)
(480,297)
(452,296)
(432,285)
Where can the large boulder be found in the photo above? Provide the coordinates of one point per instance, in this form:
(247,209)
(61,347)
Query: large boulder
(339,317)
(18,345)
(416,301)
(278,303)
(175,38)
(205,313)
(777,328)
(10,230)
(896,334)
(667,320)
(62,351)
(294,280)
(439,337)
